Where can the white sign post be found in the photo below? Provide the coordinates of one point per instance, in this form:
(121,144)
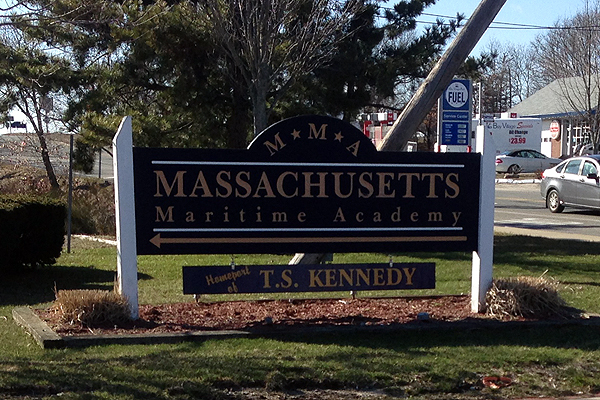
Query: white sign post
(127,279)
(483,258)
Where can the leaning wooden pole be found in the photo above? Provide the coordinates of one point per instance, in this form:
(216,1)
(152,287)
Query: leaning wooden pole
(431,89)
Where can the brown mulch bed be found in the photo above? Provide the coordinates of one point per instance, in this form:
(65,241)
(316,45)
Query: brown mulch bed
(245,315)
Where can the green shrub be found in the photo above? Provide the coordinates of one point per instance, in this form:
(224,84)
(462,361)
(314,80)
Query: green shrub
(32,231)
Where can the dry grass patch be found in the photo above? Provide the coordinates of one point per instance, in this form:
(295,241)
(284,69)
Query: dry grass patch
(527,297)
(92,308)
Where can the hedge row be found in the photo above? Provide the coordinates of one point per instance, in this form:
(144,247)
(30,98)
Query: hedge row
(32,231)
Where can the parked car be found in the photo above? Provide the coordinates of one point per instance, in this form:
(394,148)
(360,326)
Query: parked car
(516,161)
(574,183)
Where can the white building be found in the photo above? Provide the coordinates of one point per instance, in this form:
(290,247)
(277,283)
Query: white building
(563,130)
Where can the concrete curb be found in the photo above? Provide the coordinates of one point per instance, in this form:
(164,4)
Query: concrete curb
(517,181)
(48,339)
(40,331)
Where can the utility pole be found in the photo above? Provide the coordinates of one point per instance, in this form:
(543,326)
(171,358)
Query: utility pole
(430,90)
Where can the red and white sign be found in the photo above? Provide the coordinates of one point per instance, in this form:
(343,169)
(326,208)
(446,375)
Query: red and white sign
(555,129)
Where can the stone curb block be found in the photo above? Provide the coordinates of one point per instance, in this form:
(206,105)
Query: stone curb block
(40,331)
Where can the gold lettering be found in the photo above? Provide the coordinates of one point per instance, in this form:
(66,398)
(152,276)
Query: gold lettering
(201,184)
(210,280)
(315,279)
(432,177)
(189,217)
(224,184)
(267,275)
(339,216)
(365,277)
(385,185)
(452,185)
(265,185)
(280,216)
(435,216)
(377,216)
(456,215)
(242,184)
(414,217)
(396,215)
(313,134)
(330,278)
(378,279)
(286,276)
(345,276)
(280,188)
(409,183)
(302,216)
(162,216)
(390,273)
(337,185)
(308,184)
(162,180)
(409,272)
(354,148)
(275,147)
(366,184)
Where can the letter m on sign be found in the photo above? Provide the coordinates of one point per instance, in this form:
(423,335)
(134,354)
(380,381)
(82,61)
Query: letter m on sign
(275,147)
(320,134)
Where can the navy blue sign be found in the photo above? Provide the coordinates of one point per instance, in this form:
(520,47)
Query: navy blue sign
(306,184)
(307,278)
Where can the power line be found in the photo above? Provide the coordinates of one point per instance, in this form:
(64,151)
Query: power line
(510,25)
(516,26)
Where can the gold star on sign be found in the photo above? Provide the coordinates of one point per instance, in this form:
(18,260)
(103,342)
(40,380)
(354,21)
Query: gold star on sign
(296,134)
(339,137)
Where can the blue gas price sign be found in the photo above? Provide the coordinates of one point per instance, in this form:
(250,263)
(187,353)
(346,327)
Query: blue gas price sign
(455,126)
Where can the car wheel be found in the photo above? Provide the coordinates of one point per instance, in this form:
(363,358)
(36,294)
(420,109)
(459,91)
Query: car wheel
(553,202)
(513,169)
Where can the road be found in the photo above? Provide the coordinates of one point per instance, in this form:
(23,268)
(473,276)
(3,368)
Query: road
(520,209)
(23,149)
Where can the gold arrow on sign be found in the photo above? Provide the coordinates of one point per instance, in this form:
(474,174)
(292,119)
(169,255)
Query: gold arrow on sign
(158,240)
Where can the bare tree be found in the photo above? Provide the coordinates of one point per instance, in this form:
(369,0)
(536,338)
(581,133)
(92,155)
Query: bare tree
(570,55)
(511,77)
(273,42)
(29,77)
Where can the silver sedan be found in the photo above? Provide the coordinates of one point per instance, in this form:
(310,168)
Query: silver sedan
(574,183)
(516,161)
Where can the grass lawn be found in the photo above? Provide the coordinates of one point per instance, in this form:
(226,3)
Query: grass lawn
(557,361)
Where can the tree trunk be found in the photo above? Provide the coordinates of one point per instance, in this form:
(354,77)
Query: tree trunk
(240,121)
(260,89)
(46,160)
(259,106)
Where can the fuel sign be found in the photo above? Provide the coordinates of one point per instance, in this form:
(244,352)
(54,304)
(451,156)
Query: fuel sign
(455,113)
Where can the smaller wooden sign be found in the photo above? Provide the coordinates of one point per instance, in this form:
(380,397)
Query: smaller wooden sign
(307,278)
